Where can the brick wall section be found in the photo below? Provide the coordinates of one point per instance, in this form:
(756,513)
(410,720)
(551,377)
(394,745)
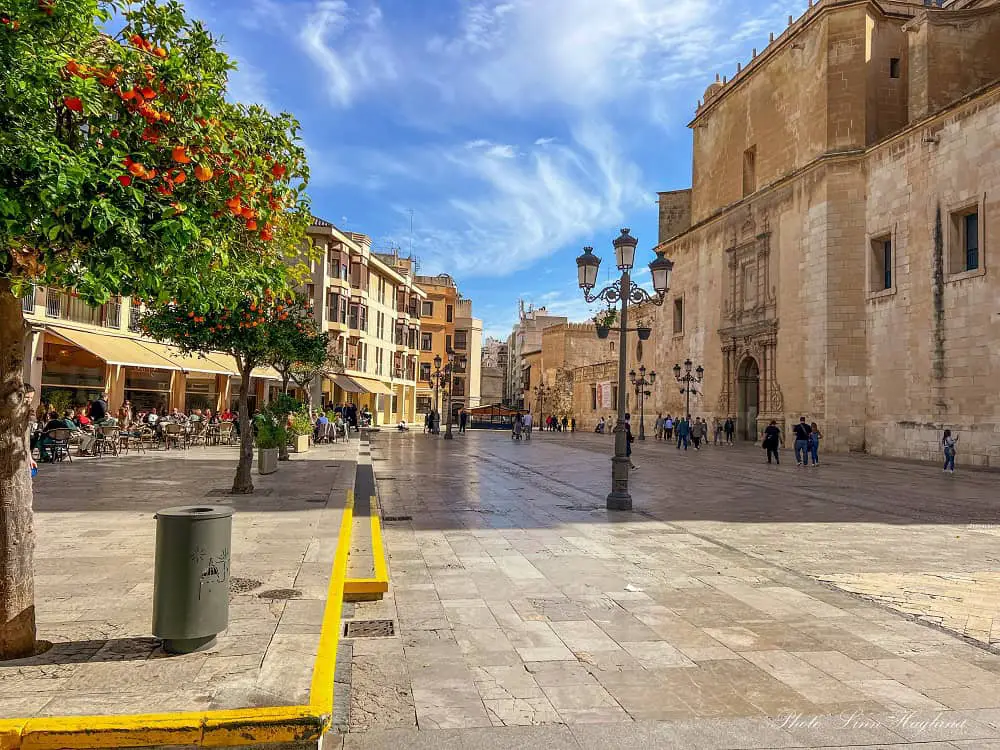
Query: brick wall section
(958,52)
(675,213)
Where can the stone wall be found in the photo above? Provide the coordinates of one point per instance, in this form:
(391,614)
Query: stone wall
(675,213)
(932,349)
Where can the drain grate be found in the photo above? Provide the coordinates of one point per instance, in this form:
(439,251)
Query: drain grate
(243,585)
(369,629)
(280,594)
(389,519)
(228,492)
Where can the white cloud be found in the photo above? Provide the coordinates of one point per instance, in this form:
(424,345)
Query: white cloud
(349,48)
(544,141)
(248,85)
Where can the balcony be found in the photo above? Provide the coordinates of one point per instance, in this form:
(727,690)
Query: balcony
(134,318)
(63,306)
(28,302)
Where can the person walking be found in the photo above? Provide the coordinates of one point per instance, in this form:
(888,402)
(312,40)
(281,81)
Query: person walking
(527,426)
(699,430)
(718,431)
(949,445)
(629,439)
(463,420)
(516,426)
(730,430)
(572,425)
(814,437)
(802,431)
(668,428)
(565,424)
(683,432)
(772,440)
(658,428)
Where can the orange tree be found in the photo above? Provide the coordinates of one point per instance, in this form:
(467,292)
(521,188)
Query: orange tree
(123,171)
(243,329)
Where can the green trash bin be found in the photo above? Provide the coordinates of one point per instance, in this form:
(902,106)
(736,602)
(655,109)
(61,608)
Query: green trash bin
(191,578)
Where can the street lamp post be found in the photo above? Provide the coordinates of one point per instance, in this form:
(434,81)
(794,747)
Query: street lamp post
(436,375)
(540,393)
(624,291)
(640,384)
(689,382)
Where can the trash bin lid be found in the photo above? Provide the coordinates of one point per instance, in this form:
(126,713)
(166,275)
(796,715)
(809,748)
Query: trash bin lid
(195,512)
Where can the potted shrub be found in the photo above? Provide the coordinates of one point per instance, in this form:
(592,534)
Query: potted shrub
(270,437)
(644,331)
(604,320)
(300,431)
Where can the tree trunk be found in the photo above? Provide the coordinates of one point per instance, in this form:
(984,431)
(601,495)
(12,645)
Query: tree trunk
(243,482)
(17,539)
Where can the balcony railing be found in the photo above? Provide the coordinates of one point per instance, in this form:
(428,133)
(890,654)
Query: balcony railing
(28,301)
(63,306)
(134,318)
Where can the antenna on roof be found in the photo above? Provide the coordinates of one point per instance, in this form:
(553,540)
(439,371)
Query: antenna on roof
(411,230)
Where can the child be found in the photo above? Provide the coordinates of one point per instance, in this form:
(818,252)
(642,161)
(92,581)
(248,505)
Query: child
(948,443)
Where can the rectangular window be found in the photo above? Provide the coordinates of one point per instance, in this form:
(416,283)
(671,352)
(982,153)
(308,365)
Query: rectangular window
(679,315)
(970,241)
(447,343)
(880,275)
(426,309)
(451,314)
(343,310)
(965,251)
(593,398)
(461,340)
(749,170)
(426,342)
(310,291)
(423,404)
(425,370)
(893,67)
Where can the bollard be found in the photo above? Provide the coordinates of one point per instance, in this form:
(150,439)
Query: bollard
(191,578)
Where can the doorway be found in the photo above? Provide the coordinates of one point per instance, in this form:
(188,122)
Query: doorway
(748,381)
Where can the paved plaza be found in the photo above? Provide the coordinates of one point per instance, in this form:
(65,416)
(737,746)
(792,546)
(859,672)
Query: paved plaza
(720,613)
(94,584)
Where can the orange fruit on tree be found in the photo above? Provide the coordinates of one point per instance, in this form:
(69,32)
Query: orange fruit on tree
(179,154)
(203,173)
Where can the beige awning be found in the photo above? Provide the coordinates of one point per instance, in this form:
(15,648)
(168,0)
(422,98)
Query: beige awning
(373,386)
(266,373)
(186,362)
(115,350)
(347,384)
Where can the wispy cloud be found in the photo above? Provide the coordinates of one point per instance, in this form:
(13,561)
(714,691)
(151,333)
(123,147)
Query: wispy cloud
(349,47)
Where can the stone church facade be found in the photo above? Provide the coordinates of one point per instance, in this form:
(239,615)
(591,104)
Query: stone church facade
(833,255)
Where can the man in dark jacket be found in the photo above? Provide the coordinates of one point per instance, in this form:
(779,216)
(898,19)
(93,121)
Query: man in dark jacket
(772,439)
(99,409)
(802,432)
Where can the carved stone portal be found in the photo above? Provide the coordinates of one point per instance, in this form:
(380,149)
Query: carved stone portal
(749,333)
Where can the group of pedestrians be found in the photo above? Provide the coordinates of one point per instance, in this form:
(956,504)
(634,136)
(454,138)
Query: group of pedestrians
(806,445)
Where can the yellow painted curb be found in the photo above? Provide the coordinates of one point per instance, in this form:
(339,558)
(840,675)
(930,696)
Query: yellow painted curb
(379,584)
(245,726)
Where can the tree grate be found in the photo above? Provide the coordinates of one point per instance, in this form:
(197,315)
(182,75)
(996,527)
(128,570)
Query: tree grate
(369,629)
(280,594)
(243,585)
(390,519)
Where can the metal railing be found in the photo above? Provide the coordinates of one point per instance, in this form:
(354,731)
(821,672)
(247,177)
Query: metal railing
(28,301)
(134,318)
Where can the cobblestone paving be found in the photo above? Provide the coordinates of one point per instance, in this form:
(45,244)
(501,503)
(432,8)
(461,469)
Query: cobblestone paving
(698,620)
(94,584)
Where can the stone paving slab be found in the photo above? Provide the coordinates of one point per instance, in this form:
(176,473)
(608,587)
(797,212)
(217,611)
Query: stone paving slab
(94,572)
(695,621)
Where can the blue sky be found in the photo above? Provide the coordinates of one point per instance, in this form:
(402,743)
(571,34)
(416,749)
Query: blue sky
(516,131)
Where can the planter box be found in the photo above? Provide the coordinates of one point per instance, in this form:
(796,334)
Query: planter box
(300,443)
(267,460)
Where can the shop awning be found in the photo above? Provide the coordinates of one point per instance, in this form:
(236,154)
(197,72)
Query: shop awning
(347,384)
(266,373)
(373,386)
(115,350)
(186,362)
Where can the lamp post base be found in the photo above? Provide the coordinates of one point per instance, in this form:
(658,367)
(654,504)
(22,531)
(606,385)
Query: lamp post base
(619,498)
(449,436)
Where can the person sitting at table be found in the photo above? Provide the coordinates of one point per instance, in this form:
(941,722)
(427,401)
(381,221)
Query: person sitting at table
(195,416)
(55,423)
(321,422)
(227,416)
(177,416)
(211,418)
(151,418)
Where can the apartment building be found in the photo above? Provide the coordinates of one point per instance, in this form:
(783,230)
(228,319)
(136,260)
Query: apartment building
(468,345)
(370,304)
(437,334)
(82,351)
